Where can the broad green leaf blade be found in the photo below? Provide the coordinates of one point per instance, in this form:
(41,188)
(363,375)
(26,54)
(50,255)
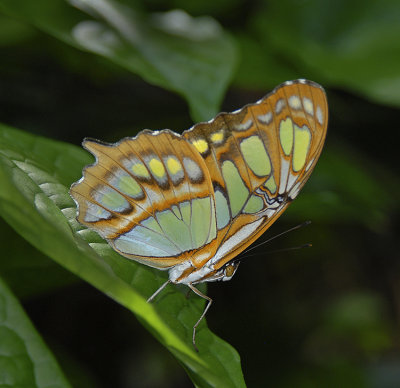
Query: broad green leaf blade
(35,174)
(347,44)
(191,56)
(261,66)
(25,360)
(28,271)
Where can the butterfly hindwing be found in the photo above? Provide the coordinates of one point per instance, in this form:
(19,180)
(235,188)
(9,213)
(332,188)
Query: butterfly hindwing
(149,196)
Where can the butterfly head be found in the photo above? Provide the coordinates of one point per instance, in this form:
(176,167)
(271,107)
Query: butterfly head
(228,270)
(225,273)
(186,273)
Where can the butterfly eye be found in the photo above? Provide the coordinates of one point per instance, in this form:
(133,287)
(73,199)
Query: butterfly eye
(230,270)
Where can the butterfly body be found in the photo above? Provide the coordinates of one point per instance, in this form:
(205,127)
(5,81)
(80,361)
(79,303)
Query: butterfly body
(191,203)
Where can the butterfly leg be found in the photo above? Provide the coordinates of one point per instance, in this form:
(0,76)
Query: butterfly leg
(196,291)
(158,291)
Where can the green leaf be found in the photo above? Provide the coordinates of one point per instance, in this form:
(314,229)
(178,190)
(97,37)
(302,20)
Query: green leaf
(261,67)
(352,45)
(25,360)
(191,56)
(13,32)
(35,174)
(26,270)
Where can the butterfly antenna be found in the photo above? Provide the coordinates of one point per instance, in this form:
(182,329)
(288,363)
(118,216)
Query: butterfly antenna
(279,235)
(308,245)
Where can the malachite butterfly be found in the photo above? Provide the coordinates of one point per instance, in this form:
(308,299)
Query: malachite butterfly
(191,203)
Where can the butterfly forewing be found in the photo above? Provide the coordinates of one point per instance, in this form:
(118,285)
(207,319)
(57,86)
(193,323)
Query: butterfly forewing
(259,158)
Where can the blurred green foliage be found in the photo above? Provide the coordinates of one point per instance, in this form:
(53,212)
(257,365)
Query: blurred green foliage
(25,359)
(326,316)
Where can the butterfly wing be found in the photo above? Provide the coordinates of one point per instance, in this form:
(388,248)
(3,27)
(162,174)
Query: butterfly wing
(259,158)
(201,198)
(150,196)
